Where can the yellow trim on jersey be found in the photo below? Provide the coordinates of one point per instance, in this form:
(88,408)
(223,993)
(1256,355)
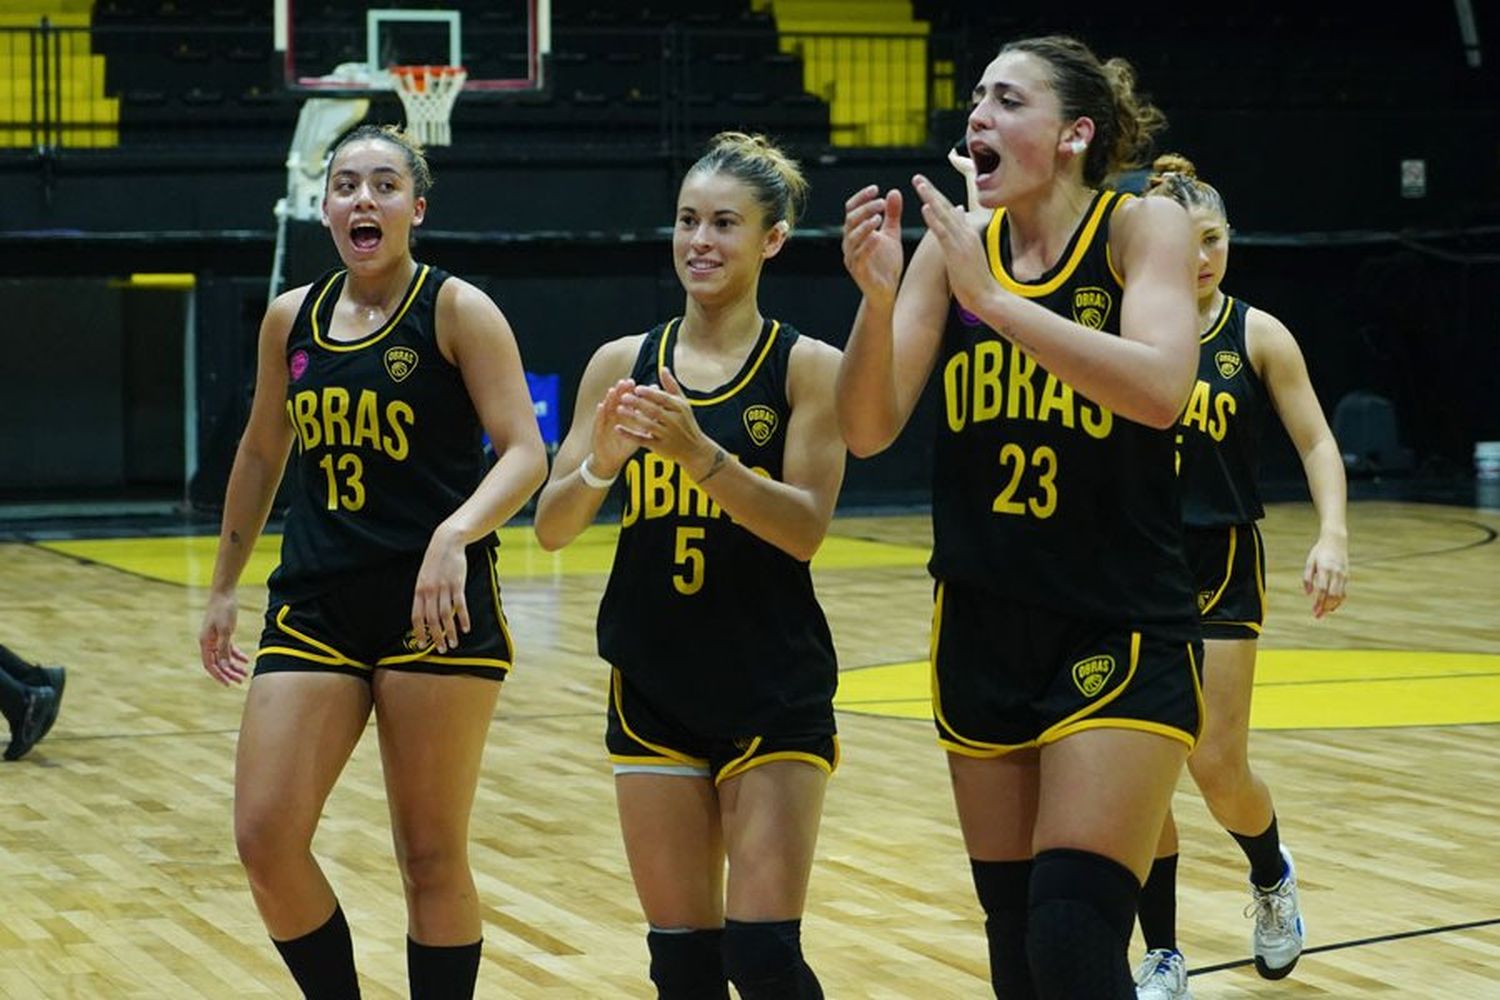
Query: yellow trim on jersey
(1085,239)
(331,656)
(616,684)
(1260,573)
(1138,725)
(1109,254)
(1228,573)
(1219,323)
(687,770)
(1252,626)
(302,654)
(740,765)
(377,336)
(661,361)
(494,557)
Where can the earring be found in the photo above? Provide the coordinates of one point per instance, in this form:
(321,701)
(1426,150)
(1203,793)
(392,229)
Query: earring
(1078,146)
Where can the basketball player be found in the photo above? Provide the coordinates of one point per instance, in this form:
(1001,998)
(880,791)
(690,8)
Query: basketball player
(1247,361)
(720,717)
(1065,643)
(385,374)
(30,696)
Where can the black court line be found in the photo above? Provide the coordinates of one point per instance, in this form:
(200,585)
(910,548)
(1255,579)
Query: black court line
(41,546)
(1357,943)
(1489,536)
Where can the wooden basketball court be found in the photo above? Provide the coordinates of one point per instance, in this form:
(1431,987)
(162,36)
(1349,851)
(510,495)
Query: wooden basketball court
(1377,730)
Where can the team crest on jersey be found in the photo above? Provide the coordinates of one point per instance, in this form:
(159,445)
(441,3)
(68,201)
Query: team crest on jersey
(1228,363)
(400,362)
(760,421)
(1090,675)
(1091,307)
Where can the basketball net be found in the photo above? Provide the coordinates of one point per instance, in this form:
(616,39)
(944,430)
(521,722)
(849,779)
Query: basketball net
(427,93)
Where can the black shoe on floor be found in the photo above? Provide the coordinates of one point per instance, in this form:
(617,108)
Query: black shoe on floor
(42,703)
(56,678)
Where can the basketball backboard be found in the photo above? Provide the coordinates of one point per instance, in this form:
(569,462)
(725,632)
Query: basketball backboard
(500,42)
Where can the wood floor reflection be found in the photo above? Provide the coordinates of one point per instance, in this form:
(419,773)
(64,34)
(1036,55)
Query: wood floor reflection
(121,880)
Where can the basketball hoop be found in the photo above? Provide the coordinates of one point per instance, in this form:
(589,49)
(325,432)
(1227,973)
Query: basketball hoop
(427,93)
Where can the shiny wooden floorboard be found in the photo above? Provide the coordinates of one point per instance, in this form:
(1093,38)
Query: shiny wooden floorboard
(120,877)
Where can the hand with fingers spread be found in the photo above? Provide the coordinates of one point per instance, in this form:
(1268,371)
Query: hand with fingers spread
(969,275)
(612,445)
(439,610)
(872,242)
(1326,575)
(661,418)
(223,660)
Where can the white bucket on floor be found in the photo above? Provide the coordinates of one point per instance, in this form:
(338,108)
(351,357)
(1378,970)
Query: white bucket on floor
(1487,459)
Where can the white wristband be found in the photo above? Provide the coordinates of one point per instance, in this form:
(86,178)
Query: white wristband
(597,482)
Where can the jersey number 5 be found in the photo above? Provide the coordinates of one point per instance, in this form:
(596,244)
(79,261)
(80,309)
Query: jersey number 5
(346,488)
(690,581)
(1043,502)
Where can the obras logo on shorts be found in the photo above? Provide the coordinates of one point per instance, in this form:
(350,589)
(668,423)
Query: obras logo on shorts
(1205,598)
(400,362)
(1090,675)
(760,421)
(1091,307)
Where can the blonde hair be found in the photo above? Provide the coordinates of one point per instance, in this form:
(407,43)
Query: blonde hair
(1174,176)
(1125,121)
(780,189)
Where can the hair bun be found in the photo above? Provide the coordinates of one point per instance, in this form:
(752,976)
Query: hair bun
(1174,163)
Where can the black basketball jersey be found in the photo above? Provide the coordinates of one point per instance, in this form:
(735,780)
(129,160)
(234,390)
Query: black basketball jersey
(388,441)
(1041,494)
(1218,437)
(714,624)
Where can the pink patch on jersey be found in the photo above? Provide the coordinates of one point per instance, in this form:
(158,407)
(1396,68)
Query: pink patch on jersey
(297,365)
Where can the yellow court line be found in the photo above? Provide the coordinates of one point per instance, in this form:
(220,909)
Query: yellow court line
(189,559)
(1294,689)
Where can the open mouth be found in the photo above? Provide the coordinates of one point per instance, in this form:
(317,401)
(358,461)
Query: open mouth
(365,236)
(698,265)
(986,160)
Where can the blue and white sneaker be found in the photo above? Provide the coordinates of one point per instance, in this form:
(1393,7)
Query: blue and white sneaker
(1162,975)
(1279,931)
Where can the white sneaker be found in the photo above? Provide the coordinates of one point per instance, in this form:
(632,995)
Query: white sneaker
(1279,932)
(1162,975)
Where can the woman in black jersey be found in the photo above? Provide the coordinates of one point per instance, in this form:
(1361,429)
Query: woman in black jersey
(1065,684)
(1249,362)
(386,374)
(719,425)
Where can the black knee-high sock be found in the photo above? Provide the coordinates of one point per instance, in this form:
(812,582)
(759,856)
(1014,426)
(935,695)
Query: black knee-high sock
(1078,932)
(763,959)
(1004,889)
(1264,853)
(442,972)
(688,964)
(322,961)
(1158,908)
